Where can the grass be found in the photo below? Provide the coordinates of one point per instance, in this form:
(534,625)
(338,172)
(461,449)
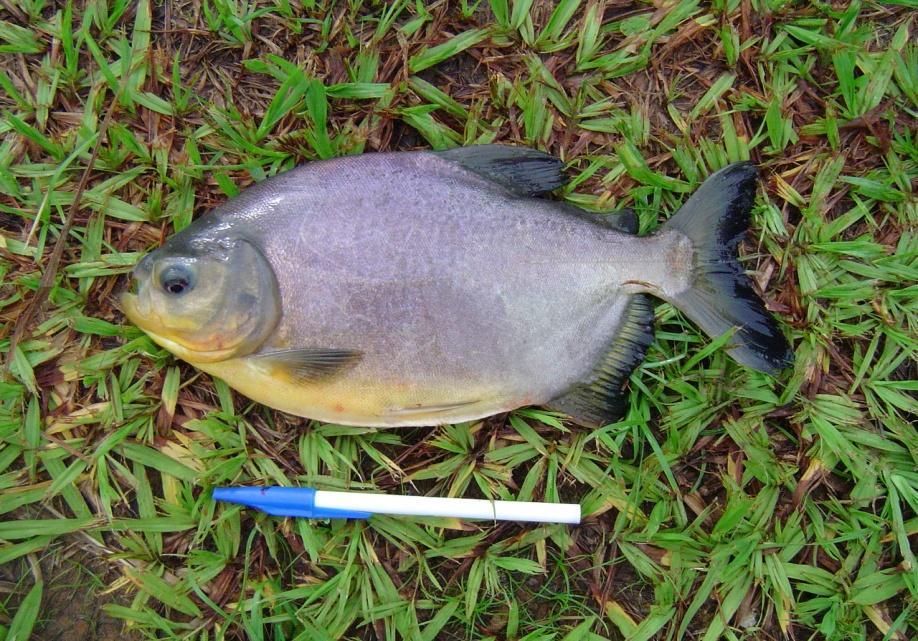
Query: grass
(726,505)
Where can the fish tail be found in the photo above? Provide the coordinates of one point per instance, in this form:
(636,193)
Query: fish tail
(720,297)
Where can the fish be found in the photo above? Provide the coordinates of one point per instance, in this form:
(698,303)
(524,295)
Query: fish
(421,288)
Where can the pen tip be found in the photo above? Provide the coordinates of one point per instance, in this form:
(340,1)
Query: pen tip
(243,495)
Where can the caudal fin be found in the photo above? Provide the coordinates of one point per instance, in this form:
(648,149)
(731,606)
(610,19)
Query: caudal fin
(721,297)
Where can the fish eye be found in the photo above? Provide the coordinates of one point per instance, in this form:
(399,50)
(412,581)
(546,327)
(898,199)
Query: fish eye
(176,279)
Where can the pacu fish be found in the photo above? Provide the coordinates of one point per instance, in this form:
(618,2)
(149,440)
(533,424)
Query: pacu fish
(421,288)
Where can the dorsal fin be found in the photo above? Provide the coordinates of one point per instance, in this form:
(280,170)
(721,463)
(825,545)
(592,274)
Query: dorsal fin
(600,398)
(524,171)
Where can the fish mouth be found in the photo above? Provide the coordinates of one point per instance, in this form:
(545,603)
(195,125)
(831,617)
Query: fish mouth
(134,304)
(130,295)
(128,301)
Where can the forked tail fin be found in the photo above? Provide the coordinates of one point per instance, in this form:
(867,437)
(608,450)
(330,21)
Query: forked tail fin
(721,297)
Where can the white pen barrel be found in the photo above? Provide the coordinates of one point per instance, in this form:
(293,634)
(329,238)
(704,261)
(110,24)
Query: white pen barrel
(456,508)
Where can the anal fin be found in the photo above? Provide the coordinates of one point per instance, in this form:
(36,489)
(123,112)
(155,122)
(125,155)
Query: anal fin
(600,398)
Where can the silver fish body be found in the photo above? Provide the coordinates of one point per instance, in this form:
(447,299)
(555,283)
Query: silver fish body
(429,289)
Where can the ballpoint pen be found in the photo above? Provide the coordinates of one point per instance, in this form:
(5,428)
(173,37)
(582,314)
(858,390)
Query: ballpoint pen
(320,504)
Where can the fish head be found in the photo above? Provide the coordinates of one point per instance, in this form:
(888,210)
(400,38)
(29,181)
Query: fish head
(205,300)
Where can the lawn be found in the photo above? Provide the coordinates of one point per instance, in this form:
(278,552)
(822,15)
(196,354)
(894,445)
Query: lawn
(726,504)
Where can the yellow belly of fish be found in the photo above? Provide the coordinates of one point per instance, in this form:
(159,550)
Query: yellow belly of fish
(347,401)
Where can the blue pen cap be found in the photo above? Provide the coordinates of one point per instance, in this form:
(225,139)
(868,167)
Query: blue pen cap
(283,501)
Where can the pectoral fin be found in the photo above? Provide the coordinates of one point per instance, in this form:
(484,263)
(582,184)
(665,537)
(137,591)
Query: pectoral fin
(311,364)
